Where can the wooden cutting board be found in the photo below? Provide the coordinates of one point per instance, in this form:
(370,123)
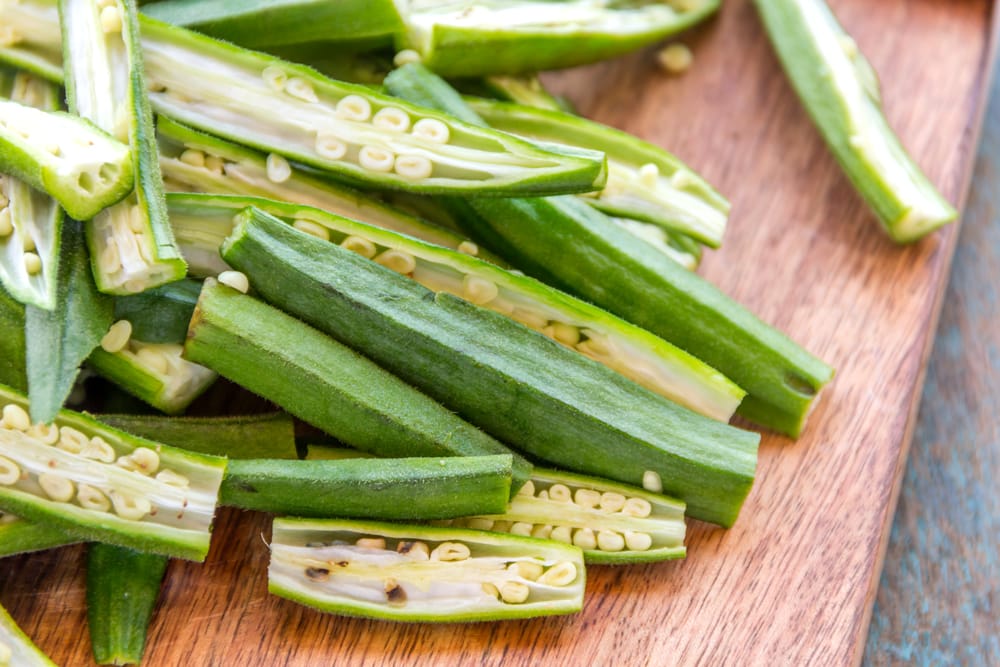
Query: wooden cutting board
(793,582)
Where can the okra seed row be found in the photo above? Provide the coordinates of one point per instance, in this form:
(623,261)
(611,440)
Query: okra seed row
(10,472)
(117,337)
(56,487)
(278,169)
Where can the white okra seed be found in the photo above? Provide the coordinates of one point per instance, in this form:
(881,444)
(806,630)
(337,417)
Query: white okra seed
(527,490)
(477,523)
(637,507)
(147,460)
(562,573)
(278,169)
(651,481)
(675,58)
(56,487)
(530,318)
(543,494)
(117,337)
(479,291)
(353,107)
(215,164)
(526,569)
(405,57)
(681,179)
(71,440)
(361,246)
(301,89)
(491,590)
(392,119)
(27,242)
(48,434)
(562,534)
(6,225)
(587,498)
(92,498)
(416,550)
(153,359)
(649,173)
(521,528)
(371,542)
(450,551)
(514,592)
(502,526)
(567,334)
(330,147)
(193,157)
(638,541)
(585,539)
(468,248)
(398,261)
(609,540)
(238,281)
(560,493)
(99,450)
(313,229)
(171,478)
(275,77)
(542,531)
(130,507)
(377,159)
(111,20)
(415,167)
(15,417)
(432,130)
(10,472)
(611,501)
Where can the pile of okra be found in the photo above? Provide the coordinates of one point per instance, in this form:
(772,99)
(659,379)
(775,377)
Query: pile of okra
(374,216)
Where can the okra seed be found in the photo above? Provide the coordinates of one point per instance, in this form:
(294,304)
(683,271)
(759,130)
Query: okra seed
(371,542)
(599,344)
(398,261)
(416,550)
(91,498)
(99,450)
(317,573)
(392,119)
(480,524)
(353,107)
(638,541)
(521,528)
(675,58)
(405,57)
(238,281)
(562,534)
(638,507)
(567,334)
(468,248)
(153,360)
(15,417)
(609,540)
(10,472)
(330,147)
(649,173)
(215,164)
(301,89)
(491,590)
(527,490)
(681,179)
(514,592)
(193,157)
(137,219)
(394,593)
(587,498)
(56,487)
(111,20)
(585,539)
(377,159)
(450,551)
(171,478)
(543,532)
(48,434)
(651,481)
(479,290)
(502,526)
(611,501)
(27,242)
(278,169)
(146,459)
(543,494)
(313,229)
(359,245)
(526,569)
(117,337)
(71,440)
(530,318)
(431,129)
(130,507)
(560,493)
(275,77)
(6,225)
(562,573)
(414,166)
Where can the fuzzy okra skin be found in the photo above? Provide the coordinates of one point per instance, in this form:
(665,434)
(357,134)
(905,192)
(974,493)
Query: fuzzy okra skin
(522,387)
(388,489)
(161,314)
(477,37)
(100,484)
(840,91)
(325,383)
(122,588)
(16,650)
(18,536)
(13,350)
(418,573)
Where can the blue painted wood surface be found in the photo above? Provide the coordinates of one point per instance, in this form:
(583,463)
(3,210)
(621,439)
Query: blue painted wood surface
(939,597)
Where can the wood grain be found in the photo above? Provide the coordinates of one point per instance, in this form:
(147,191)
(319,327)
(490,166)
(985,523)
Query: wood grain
(940,590)
(794,581)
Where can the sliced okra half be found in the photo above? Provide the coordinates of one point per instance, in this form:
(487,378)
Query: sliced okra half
(612,523)
(840,90)
(573,323)
(131,245)
(100,484)
(30,39)
(477,37)
(18,536)
(16,649)
(645,182)
(410,573)
(30,220)
(519,385)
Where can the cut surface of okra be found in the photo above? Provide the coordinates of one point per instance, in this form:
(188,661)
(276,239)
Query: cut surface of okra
(101,484)
(410,573)
(16,649)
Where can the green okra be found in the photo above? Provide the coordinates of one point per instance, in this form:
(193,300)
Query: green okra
(526,89)
(571,245)
(840,91)
(522,387)
(325,383)
(100,484)
(16,649)
(578,325)
(477,37)
(161,314)
(612,523)
(29,37)
(417,573)
(18,536)
(389,489)
(122,588)
(30,221)
(682,249)
(13,351)
(131,245)
(84,169)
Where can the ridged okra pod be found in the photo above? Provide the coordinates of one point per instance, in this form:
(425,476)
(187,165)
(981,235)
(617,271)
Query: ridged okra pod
(409,573)
(477,37)
(612,523)
(29,37)
(16,650)
(131,245)
(12,343)
(519,385)
(325,383)
(840,90)
(570,245)
(100,484)
(30,221)
(18,536)
(389,489)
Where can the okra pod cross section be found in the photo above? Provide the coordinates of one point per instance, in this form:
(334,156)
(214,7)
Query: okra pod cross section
(16,650)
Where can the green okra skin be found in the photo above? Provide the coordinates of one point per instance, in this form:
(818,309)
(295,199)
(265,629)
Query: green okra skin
(522,387)
(30,221)
(567,243)
(13,350)
(526,89)
(84,169)
(58,341)
(100,484)
(840,91)
(325,383)
(260,24)
(420,573)
(258,436)
(131,245)
(576,324)
(161,314)
(122,588)
(18,536)
(29,37)
(16,648)
(388,489)
(479,37)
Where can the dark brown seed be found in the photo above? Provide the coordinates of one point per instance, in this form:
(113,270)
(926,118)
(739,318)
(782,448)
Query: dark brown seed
(394,593)
(318,573)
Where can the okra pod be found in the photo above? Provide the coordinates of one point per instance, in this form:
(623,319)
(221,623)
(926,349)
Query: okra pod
(122,587)
(12,343)
(16,650)
(100,484)
(18,536)
(682,249)
(579,326)
(390,489)
(325,383)
(410,573)
(520,386)
(840,91)
(29,37)
(161,314)
(526,89)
